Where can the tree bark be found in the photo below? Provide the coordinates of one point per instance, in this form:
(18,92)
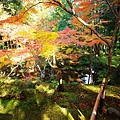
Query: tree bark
(111,48)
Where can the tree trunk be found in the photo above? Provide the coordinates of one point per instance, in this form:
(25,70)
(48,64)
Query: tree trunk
(111,48)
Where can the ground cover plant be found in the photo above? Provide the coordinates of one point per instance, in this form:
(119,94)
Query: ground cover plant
(34,100)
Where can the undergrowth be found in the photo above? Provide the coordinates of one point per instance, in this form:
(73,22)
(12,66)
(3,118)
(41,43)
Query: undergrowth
(35,100)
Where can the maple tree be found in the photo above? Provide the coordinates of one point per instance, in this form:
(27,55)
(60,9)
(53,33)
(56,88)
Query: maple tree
(81,11)
(28,47)
(85,18)
(33,43)
(89,17)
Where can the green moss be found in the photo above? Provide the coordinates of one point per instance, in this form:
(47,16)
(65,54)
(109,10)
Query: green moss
(39,103)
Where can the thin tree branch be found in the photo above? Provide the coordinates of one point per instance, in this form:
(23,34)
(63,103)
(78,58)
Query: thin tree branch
(89,27)
(116,28)
(13,70)
(55,2)
(116,69)
(81,20)
(62,6)
(111,8)
(38,4)
(70,4)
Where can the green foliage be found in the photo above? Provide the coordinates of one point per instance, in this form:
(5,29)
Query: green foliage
(13,6)
(117,49)
(114,79)
(102,74)
(54,82)
(64,22)
(110,18)
(15,87)
(2,45)
(65,3)
(115,60)
(85,60)
(60,14)
(102,59)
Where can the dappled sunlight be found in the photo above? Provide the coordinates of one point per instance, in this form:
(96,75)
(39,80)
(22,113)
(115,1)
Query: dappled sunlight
(93,88)
(39,97)
(62,109)
(81,116)
(46,88)
(43,91)
(43,103)
(110,94)
(1,105)
(6,80)
(56,112)
(12,88)
(113,91)
(110,90)
(4,92)
(9,107)
(45,117)
(66,113)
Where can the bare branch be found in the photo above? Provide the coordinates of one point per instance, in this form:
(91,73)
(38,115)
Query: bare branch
(38,4)
(55,2)
(99,36)
(13,69)
(116,29)
(70,4)
(62,6)
(111,8)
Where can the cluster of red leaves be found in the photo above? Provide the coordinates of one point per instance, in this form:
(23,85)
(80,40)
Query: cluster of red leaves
(84,105)
(68,36)
(82,9)
(93,42)
(74,57)
(28,45)
(5,52)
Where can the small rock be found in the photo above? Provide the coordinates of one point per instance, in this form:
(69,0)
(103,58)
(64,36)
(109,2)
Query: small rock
(113,111)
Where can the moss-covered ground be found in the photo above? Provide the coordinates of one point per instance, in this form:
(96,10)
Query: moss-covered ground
(35,100)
